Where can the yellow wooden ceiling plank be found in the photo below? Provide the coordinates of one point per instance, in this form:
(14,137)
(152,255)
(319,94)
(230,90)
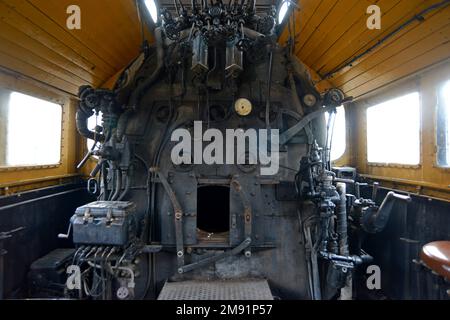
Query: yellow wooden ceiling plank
(399,38)
(302,16)
(40,26)
(30,71)
(125,41)
(21,53)
(395,17)
(100,30)
(52,17)
(399,15)
(129,26)
(327,25)
(307,11)
(127,36)
(358,33)
(418,49)
(353,17)
(428,59)
(16,20)
(129,6)
(30,44)
(320,16)
(399,43)
(125,21)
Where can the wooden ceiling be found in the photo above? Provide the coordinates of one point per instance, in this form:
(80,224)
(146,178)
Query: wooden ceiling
(35,42)
(332,32)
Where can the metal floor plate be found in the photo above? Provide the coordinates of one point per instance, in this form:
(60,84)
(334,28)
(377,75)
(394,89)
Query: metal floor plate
(245,289)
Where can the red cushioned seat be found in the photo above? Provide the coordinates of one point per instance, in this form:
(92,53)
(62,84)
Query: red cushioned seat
(436,255)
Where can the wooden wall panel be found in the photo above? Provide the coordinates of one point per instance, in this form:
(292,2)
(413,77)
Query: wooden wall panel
(13,179)
(427,178)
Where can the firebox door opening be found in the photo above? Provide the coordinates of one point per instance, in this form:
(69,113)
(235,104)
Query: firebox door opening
(213,213)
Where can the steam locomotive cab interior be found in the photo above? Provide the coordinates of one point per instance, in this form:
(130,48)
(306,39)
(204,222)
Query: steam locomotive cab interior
(251,150)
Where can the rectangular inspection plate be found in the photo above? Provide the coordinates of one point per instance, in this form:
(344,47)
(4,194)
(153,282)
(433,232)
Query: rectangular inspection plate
(245,289)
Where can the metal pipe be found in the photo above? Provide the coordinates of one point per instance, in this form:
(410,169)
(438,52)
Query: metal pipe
(294,94)
(269,87)
(346,292)
(127,188)
(128,177)
(113,181)
(81,119)
(252,34)
(97,168)
(342,220)
(122,124)
(292,131)
(137,94)
(118,185)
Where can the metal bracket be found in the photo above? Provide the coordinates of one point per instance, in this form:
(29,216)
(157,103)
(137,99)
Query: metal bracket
(245,244)
(247,210)
(178,216)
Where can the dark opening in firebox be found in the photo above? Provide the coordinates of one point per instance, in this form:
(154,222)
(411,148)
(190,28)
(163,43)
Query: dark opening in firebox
(213,211)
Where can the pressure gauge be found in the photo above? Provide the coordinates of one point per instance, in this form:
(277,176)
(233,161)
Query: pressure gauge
(243,107)
(309,100)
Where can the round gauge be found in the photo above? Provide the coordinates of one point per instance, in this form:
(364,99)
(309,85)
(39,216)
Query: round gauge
(243,107)
(310,100)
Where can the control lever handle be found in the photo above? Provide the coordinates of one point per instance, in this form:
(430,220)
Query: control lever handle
(9,234)
(358,190)
(400,197)
(87,156)
(374,220)
(85,159)
(376,185)
(66,235)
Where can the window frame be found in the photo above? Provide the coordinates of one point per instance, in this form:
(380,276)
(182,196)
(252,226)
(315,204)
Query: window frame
(439,87)
(53,100)
(400,92)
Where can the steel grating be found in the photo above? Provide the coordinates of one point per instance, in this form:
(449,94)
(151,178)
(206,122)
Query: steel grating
(246,289)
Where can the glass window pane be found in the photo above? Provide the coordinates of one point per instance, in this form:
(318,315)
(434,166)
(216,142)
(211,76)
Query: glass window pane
(93,121)
(338,143)
(443,126)
(393,131)
(32,129)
